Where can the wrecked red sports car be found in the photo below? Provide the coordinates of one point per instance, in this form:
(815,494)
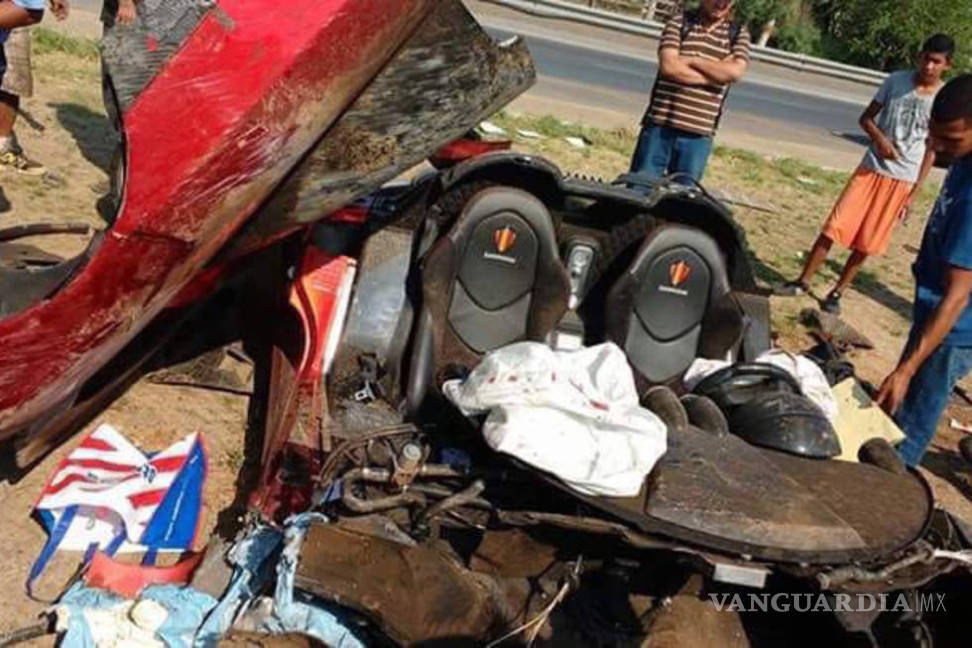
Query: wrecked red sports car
(234,137)
(248,125)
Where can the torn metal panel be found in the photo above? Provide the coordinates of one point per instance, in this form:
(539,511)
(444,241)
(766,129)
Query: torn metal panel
(721,493)
(238,104)
(414,593)
(447,78)
(134,55)
(308,329)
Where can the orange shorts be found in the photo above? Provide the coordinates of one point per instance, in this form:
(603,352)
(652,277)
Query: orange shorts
(867,211)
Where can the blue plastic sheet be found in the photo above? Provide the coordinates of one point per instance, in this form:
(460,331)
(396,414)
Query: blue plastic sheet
(185,606)
(255,559)
(196,619)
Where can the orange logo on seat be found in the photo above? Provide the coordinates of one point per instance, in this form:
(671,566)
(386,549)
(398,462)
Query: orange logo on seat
(679,273)
(504,239)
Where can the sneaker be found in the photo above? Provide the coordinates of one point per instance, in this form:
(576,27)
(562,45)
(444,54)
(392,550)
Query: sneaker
(20,163)
(832,303)
(792,289)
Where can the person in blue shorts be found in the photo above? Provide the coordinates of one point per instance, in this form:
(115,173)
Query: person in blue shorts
(13,13)
(939,349)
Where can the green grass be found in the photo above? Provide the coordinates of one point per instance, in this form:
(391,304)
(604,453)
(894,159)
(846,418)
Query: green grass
(618,140)
(752,168)
(47,41)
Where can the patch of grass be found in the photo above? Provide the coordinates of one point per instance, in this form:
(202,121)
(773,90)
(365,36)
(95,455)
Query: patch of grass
(865,280)
(800,172)
(618,140)
(738,156)
(47,41)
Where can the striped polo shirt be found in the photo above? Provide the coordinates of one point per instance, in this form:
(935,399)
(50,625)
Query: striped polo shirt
(694,109)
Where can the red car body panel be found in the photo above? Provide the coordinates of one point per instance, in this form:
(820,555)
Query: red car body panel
(249,92)
(296,421)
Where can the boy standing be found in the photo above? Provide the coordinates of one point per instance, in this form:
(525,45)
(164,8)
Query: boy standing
(939,349)
(895,166)
(700,55)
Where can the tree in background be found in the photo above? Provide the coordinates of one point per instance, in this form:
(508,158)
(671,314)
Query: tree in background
(880,34)
(888,35)
(794,28)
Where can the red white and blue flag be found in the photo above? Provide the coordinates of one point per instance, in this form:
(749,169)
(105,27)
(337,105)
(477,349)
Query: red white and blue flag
(108,495)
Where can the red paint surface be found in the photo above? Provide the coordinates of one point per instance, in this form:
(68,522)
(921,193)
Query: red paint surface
(208,139)
(464,149)
(316,296)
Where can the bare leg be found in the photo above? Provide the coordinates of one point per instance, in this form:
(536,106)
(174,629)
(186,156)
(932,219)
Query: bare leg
(851,268)
(9,104)
(11,155)
(818,254)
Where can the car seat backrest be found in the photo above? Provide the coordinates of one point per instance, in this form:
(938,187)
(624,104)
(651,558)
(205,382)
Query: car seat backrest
(495,279)
(673,305)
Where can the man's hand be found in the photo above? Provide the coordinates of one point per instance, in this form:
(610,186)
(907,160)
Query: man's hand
(894,389)
(59,8)
(886,149)
(958,287)
(884,146)
(675,67)
(906,209)
(728,70)
(126,12)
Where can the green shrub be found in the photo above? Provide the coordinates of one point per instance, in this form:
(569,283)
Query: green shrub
(45,41)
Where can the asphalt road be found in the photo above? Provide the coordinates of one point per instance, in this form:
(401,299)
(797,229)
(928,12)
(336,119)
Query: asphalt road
(606,70)
(603,78)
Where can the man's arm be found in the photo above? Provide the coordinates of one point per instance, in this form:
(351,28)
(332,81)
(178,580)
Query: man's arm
(942,321)
(13,15)
(733,67)
(881,141)
(926,166)
(728,70)
(674,67)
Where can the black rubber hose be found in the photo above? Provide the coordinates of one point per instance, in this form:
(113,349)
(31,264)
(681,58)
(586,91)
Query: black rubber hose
(43,229)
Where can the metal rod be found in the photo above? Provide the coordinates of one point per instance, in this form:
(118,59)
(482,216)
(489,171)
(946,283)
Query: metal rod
(378,475)
(463,498)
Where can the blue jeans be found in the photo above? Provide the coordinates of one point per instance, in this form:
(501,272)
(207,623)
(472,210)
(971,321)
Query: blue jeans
(662,151)
(928,396)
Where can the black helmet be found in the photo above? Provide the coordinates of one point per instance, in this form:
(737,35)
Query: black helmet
(766,407)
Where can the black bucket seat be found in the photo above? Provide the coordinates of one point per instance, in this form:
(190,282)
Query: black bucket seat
(674,304)
(495,279)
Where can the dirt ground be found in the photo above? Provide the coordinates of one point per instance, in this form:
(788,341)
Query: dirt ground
(68,132)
